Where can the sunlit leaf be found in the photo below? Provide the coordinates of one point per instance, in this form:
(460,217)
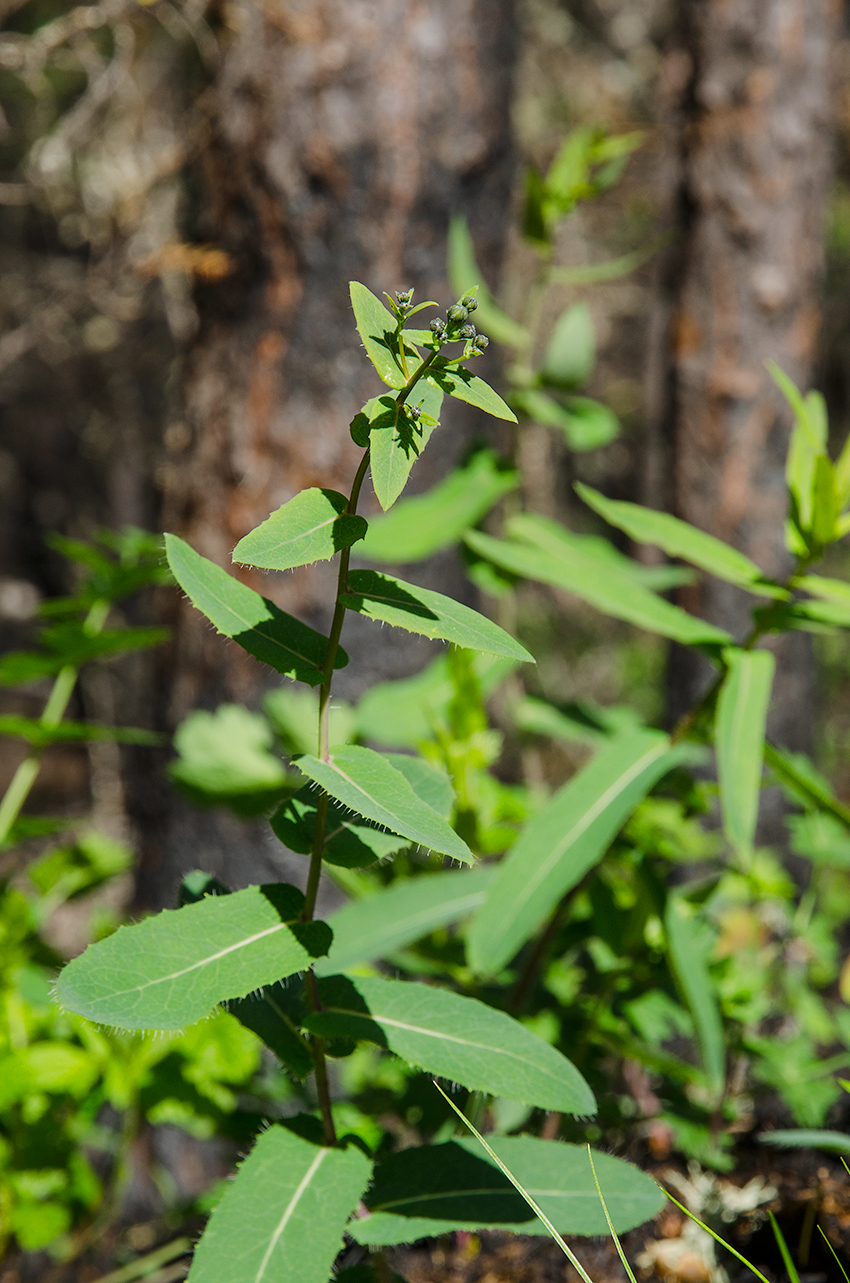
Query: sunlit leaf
(314,526)
(458,382)
(571,349)
(739,740)
(698,990)
(377,329)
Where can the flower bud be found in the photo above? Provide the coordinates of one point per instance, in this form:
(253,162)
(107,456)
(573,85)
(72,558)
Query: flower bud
(437,325)
(470,302)
(467,332)
(415,412)
(456,314)
(481,342)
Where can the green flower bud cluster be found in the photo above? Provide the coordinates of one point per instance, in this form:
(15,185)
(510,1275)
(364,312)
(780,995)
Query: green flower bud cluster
(458,327)
(403,301)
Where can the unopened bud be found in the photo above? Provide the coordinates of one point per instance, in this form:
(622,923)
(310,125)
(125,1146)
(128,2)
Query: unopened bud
(481,342)
(456,314)
(415,412)
(467,332)
(470,302)
(437,325)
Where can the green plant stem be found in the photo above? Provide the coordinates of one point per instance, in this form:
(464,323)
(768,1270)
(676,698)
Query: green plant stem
(54,710)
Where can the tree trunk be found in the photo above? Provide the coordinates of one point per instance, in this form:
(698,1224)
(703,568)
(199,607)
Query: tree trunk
(754,127)
(343,137)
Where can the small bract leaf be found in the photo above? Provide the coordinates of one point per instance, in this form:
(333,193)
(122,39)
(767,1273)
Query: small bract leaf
(282,1219)
(377,329)
(378,925)
(419,527)
(739,740)
(419,610)
(563,841)
(454,1037)
(571,350)
(432,1189)
(369,783)
(458,382)
(170,970)
(313,526)
(256,624)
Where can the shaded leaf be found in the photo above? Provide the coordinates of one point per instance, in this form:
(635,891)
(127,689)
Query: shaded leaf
(396,916)
(431,1189)
(739,740)
(38,734)
(464,273)
(313,526)
(459,382)
(282,1219)
(419,527)
(563,841)
(586,424)
(275,1014)
(377,329)
(431,614)
(171,969)
(698,991)
(372,786)
(395,438)
(571,350)
(267,633)
(454,1037)
(798,776)
(826,504)
(350,841)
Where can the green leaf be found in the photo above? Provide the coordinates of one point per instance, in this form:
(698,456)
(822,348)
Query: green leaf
(369,783)
(596,580)
(568,837)
(679,539)
(71,642)
(20,666)
(171,969)
(586,424)
(453,1037)
(282,1219)
(799,778)
(395,439)
(37,733)
(401,714)
(808,440)
(419,527)
(294,714)
(378,925)
(314,526)
(350,841)
(226,755)
(825,502)
(275,1013)
(534,226)
(464,273)
(458,382)
(430,784)
(571,350)
(270,635)
(377,329)
(808,1138)
(739,741)
(427,1190)
(419,610)
(698,991)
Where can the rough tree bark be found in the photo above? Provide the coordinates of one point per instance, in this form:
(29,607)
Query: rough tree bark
(342,138)
(754,116)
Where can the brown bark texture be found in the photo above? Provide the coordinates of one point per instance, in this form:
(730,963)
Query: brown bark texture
(755,128)
(342,138)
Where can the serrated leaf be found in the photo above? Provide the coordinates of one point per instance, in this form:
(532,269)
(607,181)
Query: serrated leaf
(350,841)
(267,633)
(739,741)
(378,925)
(464,273)
(429,782)
(571,350)
(679,539)
(369,783)
(568,837)
(431,614)
(171,969)
(275,1013)
(396,439)
(459,382)
(282,1219)
(432,1189)
(314,526)
(595,579)
(698,990)
(453,1037)
(419,527)
(377,329)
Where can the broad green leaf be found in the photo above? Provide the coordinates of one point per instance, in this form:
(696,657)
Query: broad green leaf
(401,714)
(171,969)
(419,527)
(35,732)
(419,610)
(586,424)
(395,439)
(739,741)
(283,1218)
(825,502)
(369,783)
(267,633)
(568,837)
(698,991)
(679,539)
(808,1138)
(377,329)
(350,841)
(458,382)
(464,273)
(826,589)
(429,782)
(431,1189)
(226,755)
(571,350)
(314,526)
(798,777)
(378,925)
(453,1037)
(20,666)
(596,580)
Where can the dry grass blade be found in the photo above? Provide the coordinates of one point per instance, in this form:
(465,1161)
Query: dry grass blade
(571,1257)
(717,1238)
(613,1232)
